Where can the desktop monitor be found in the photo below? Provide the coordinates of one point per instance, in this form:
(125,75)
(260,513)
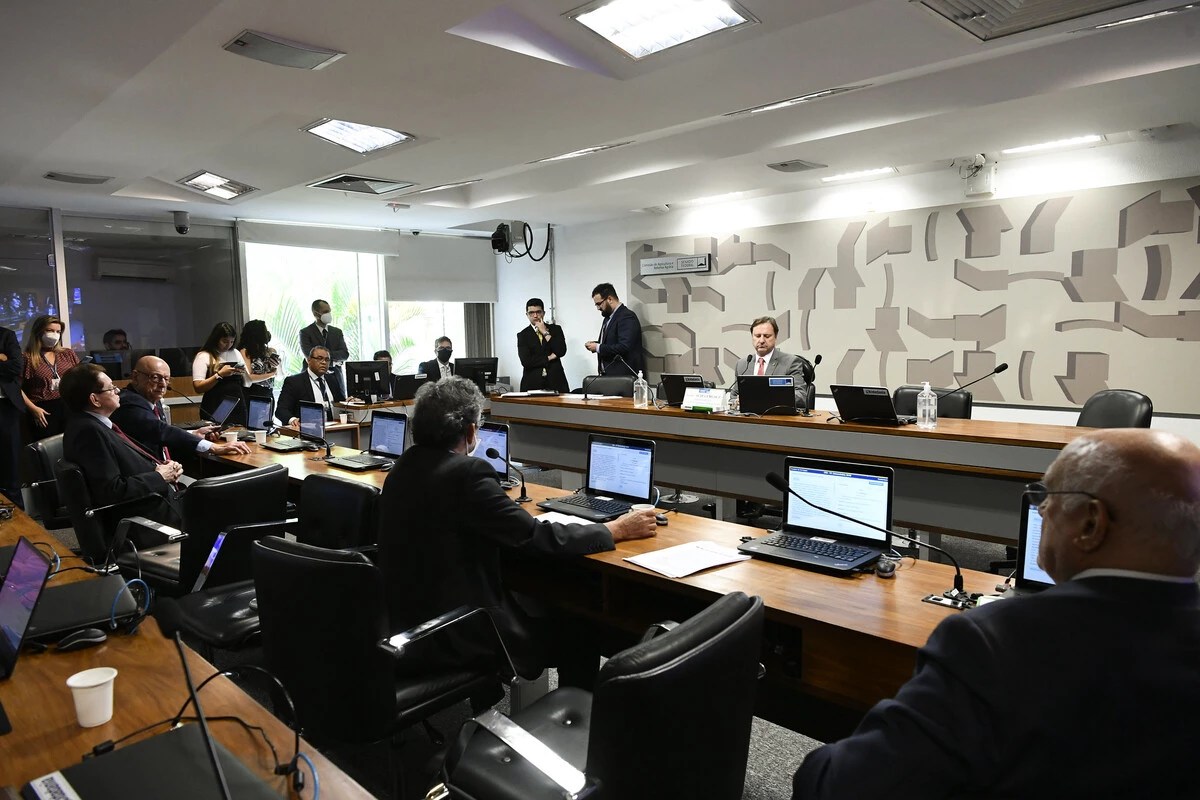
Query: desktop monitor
(115,362)
(368,380)
(312,421)
(480,370)
(388,433)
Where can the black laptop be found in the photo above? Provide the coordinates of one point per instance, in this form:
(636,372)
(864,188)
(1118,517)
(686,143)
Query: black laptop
(312,429)
(620,473)
(404,387)
(1030,578)
(817,540)
(387,443)
(869,405)
(767,394)
(20,591)
(259,413)
(675,386)
(72,607)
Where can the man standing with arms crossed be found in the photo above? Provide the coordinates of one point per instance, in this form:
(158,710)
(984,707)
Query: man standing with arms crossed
(541,346)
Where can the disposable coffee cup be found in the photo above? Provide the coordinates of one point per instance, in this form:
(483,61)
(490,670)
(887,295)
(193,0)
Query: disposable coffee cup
(230,436)
(260,437)
(642,507)
(343,418)
(93,693)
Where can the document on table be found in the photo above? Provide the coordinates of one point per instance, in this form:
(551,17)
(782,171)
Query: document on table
(561,518)
(532,393)
(686,559)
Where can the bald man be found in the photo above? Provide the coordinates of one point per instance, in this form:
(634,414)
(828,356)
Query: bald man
(141,417)
(1089,689)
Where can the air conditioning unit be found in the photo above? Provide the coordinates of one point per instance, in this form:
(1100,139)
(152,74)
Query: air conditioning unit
(132,270)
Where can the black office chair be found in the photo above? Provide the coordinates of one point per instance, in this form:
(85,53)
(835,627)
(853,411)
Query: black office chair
(954,405)
(41,495)
(1116,408)
(611,385)
(325,635)
(337,512)
(669,717)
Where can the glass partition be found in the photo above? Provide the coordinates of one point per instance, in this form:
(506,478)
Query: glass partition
(27,285)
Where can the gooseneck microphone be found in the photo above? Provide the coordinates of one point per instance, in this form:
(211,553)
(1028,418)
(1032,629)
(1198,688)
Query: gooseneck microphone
(493,453)
(169,618)
(957,594)
(999,368)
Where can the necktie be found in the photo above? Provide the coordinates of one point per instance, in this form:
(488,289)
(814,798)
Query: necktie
(762,365)
(325,398)
(325,335)
(138,448)
(158,412)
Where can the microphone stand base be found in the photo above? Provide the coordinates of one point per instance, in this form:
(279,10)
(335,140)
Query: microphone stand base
(961,603)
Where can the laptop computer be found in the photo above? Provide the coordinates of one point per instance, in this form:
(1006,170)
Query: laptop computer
(1030,578)
(87,604)
(259,413)
(312,428)
(404,387)
(387,443)
(817,540)
(221,413)
(869,405)
(20,591)
(620,473)
(767,394)
(494,435)
(675,384)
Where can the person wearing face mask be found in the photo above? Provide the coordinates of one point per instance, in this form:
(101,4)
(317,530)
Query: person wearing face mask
(322,334)
(437,488)
(44,363)
(441,367)
(217,372)
(262,362)
(618,348)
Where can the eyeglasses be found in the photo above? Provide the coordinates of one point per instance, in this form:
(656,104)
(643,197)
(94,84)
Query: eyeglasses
(319,358)
(539,312)
(112,389)
(150,376)
(1038,493)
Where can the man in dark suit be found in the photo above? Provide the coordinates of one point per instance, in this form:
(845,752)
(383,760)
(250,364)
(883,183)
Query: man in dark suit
(310,385)
(142,417)
(117,469)
(440,367)
(444,522)
(768,360)
(541,346)
(619,347)
(12,406)
(321,334)
(1088,689)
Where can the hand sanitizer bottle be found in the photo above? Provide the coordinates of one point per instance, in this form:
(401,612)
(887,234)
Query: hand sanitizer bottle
(927,408)
(641,392)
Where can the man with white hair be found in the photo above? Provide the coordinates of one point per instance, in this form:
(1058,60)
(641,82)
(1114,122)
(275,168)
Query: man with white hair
(1089,689)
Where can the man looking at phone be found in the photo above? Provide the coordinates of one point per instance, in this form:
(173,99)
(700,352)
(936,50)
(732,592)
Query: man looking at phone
(311,385)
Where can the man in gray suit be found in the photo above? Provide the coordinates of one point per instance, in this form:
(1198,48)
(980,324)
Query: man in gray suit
(766,360)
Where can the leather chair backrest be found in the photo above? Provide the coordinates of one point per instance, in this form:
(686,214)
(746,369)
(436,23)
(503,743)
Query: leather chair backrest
(1116,408)
(337,512)
(955,405)
(93,538)
(41,461)
(690,692)
(322,614)
(213,505)
(613,385)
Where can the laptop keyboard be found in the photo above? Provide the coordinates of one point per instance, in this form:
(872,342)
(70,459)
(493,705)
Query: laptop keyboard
(595,504)
(841,552)
(366,460)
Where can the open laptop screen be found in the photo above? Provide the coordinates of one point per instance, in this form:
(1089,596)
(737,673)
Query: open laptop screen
(1029,574)
(494,434)
(259,414)
(860,491)
(621,467)
(19,595)
(224,409)
(387,433)
(312,420)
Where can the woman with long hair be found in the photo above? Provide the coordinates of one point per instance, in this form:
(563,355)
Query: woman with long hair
(44,362)
(217,373)
(262,362)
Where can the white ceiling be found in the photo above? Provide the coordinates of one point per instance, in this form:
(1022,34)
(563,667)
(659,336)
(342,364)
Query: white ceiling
(143,92)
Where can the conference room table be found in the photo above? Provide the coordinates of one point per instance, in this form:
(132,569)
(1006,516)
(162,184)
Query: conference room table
(965,477)
(149,687)
(835,645)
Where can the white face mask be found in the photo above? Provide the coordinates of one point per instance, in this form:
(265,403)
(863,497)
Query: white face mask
(326,318)
(50,339)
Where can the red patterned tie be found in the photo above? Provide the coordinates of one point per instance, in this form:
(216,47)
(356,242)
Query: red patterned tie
(762,364)
(158,412)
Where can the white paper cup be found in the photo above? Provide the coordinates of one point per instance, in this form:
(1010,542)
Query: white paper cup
(260,437)
(642,507)
(93,693)
(230,436)
(343,418)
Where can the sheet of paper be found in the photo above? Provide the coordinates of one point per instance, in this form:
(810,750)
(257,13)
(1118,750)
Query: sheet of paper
(564,519)
(515,394)
(686,559)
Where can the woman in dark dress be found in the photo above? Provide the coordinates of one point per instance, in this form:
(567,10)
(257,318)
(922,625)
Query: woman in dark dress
(217,373)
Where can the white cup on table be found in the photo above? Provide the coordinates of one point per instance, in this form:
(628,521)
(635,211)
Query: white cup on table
(93,693)
(229,436)
(343,418)
(260,437)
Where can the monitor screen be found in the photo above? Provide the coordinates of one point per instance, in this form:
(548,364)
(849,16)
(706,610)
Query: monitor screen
(480,370)
(860,491)
(115,362)
(312,420)
(224,409)
(618,466)
(387,433)
(367,379)
(19,594)
(494,435)
(1031,540)
(260,414)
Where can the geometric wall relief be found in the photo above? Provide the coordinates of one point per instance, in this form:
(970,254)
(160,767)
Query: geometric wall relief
(1077,291)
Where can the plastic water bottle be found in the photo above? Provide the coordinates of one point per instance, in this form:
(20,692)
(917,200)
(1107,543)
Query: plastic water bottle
(641,392)
(927,408)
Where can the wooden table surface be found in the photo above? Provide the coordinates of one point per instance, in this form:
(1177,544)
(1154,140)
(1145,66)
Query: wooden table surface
(149,687)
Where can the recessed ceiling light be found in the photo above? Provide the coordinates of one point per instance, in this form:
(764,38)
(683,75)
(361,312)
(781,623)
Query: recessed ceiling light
(795,101)
(212,184)
(355,136)
(587,151)
(1059,144)
(861,174)
(643,27)
(1142,18)
(441,186)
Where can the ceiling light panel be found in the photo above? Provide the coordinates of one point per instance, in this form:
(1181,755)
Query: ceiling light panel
(1059,144)
(1143,17)
(861,175)
(987,19)
(355,136)
(643,27)
(442,186)
(361,184)
(587,151)
(795,101)
(214,185)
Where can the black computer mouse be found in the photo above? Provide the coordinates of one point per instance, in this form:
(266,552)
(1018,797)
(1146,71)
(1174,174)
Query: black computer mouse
(886,568)
(660,519)
(88,637)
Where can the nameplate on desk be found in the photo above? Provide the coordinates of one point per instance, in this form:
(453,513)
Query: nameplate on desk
(704,400)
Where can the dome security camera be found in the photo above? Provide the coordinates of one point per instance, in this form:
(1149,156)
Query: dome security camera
(182,222)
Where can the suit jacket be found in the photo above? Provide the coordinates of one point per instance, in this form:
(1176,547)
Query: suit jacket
(1086,690)
(432,371)
(10,370)
(115,473)
(137,419)
(535,354)
(298,387)
(310,337)
(444,521)
(621,337)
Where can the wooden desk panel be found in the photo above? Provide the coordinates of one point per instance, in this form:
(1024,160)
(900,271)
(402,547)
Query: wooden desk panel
(149,687)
